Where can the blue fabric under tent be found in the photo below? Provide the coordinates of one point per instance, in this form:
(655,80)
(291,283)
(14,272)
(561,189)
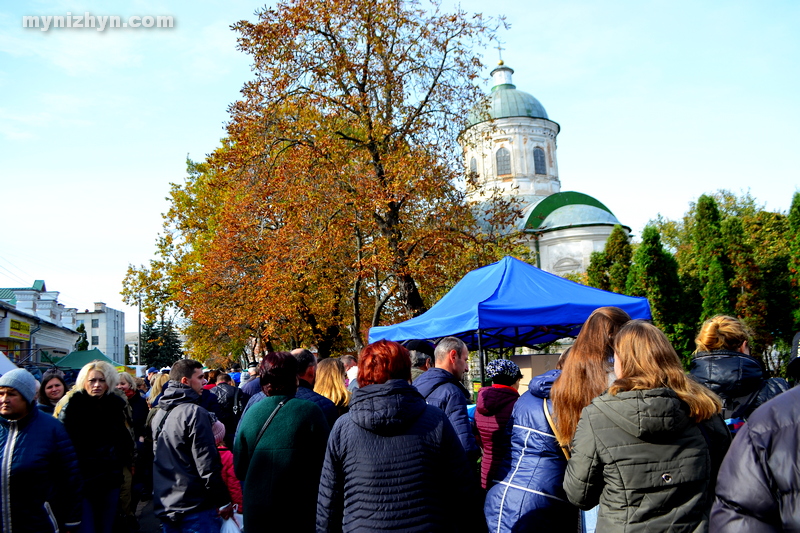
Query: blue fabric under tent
(510,303)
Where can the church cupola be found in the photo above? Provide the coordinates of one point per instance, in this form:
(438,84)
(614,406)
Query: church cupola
(510,142)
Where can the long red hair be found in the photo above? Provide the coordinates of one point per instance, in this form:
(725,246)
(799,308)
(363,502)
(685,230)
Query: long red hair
(585,372)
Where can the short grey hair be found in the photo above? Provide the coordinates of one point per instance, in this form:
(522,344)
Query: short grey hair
(127,378)
(445,346)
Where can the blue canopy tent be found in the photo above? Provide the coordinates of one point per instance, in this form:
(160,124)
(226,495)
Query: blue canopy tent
(507,304)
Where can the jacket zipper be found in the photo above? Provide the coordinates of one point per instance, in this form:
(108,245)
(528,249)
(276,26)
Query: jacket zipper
(5,474)
(52,517)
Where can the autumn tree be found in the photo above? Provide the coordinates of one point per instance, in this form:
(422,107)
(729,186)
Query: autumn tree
(733,258)
(336,202)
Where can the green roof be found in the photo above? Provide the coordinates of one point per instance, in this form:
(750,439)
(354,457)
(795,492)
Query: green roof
(79,359)
(569,209)
(7,294)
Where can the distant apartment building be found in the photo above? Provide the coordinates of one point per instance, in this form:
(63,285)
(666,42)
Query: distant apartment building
(105,330)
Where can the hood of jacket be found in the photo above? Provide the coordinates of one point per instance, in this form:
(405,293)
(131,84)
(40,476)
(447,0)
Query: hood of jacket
(728,374)
(434,378)
(540,385)
(177,393)
(492,400)
(646,414)
(388,408)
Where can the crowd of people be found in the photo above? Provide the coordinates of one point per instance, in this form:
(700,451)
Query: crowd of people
(617,438)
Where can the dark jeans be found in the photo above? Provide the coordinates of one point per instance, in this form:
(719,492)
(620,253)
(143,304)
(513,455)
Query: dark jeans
(199,522)
(99,511)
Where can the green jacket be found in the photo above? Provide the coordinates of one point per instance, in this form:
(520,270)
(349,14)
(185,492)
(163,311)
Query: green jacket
(281,471)
(648,465)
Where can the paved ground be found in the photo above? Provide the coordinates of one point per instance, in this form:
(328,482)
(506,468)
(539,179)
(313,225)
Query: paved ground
(148,523)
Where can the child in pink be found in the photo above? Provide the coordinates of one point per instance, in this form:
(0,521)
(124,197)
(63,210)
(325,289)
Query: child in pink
(234,487)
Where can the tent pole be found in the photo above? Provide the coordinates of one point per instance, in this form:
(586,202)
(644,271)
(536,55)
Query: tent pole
(480,358)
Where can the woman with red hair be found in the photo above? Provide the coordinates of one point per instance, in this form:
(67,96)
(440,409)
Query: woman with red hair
(393,461)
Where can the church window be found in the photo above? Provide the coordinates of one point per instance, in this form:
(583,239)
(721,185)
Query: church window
(540,167)
(503,157)
(473,165)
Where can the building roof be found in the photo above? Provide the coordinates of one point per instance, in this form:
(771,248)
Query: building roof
(569,209)
(8,294)
(505,101)
(78,359)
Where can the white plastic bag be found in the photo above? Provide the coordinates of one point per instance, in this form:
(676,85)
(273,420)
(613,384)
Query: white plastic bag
(230,526)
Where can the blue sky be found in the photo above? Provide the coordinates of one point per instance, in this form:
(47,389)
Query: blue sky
(659,102)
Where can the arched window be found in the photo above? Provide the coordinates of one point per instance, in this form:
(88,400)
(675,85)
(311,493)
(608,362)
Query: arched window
(503,157)
(540,167)
(473,166)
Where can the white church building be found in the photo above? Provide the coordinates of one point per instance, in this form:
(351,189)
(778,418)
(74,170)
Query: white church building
(510,146)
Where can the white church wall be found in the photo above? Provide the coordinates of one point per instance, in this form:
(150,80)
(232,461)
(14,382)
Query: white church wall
(520,136)
(570,249)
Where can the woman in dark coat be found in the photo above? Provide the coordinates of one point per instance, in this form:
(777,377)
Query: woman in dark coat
(280,465)
(492,414)
(393,462)
(648,450)
(98,422)
(39,479)
(722,362)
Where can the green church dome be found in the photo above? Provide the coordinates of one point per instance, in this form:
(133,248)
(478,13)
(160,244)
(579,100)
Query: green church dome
(568,210)
(505,101)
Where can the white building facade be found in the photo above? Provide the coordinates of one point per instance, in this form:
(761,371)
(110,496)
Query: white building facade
(105,330)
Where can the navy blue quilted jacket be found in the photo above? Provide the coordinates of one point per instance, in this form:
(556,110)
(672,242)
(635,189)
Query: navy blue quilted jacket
(40,482)
(394,463)
(530,496)
(441,389)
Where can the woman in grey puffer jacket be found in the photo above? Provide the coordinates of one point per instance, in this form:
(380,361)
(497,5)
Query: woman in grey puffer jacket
(649,449)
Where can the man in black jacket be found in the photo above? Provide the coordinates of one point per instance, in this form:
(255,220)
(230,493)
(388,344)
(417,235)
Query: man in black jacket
(758,487)
(187,473)
(231,405)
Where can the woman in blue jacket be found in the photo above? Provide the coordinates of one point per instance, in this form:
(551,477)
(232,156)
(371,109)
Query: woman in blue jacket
(39,480)
(394,462)
(529,495)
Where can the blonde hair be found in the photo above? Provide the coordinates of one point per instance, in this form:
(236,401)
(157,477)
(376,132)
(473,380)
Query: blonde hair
(722,332)
(109,373)
(647,361)
(330,381)
(157,387)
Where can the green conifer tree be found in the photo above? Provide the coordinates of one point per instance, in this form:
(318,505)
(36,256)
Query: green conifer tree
(608,270)
(794,258)
(654,275)
(82,344)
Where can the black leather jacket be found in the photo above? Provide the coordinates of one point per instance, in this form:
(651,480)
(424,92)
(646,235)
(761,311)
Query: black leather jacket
(738,379)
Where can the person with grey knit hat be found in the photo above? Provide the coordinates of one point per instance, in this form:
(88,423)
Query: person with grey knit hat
(33,447)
